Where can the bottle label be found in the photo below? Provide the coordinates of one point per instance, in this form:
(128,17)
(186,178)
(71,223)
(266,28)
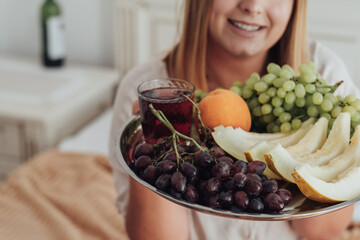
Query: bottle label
(56,38)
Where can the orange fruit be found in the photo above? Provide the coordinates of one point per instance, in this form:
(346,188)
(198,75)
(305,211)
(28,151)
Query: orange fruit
(224,107)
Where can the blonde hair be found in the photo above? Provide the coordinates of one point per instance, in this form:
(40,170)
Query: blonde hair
(187,60)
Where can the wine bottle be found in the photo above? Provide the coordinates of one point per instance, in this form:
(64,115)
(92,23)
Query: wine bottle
(53,34)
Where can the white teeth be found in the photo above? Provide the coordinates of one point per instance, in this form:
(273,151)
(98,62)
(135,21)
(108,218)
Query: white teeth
(246,27)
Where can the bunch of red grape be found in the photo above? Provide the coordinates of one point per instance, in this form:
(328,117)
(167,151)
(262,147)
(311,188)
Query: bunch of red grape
(211,177)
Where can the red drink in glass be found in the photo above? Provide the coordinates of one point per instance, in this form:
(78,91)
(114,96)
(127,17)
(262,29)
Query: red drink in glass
(168,98)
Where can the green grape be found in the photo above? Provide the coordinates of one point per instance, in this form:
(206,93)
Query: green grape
(246,93)
(281,93)
(290,98)
(276,129)
(321,80)
(296,123)
(349,109)
(268,118)
(250,82)
(253,103)
(288,106)
(331,97)
(308,100)
(327,105)
(336,111)
(326,115)
(198,92)
(263,98)
(288,68)
(276,101)
(268,78)
(257,111)
(309,77)
(300,90)
(340,98)
(310,88)
(271,92)
(204,94)
(270,126)
(273,68)
(285,117)
(324,90)
(255,76)
(312,111)
(355,117)
(305,68)
(261,86)
(278,111)
(288,86)
(312,66)
(278,82)
(278,122)
(285,74)
(236,90)
(266,109)
(317,98)
(285,127)
(238,84)
(350,98)
(356,104)
(300,102)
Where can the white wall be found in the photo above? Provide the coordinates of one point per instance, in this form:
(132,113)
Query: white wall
(89,29)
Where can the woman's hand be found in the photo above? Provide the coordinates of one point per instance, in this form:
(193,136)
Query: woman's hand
(135,107)
(327,227)
(150,216)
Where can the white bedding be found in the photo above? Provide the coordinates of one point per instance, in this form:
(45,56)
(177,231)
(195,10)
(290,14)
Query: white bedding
(93,138)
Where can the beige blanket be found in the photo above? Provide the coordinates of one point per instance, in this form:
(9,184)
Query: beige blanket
(60,196)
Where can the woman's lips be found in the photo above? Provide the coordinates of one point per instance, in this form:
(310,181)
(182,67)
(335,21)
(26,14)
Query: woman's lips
(244,26)
(245,29)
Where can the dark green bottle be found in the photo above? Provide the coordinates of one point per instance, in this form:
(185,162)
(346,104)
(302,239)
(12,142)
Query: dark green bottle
(53,34)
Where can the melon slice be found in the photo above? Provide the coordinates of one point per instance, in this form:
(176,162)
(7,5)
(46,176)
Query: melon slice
(283,161)
(344,189)
(348,159)
(236,141)
(313,139)
(257,153)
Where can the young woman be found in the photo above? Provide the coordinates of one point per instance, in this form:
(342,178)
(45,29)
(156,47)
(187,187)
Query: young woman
(224,41)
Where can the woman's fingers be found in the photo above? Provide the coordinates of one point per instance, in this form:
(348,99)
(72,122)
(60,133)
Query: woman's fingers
(135,107)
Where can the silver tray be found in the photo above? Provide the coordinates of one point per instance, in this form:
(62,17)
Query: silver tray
(130,134)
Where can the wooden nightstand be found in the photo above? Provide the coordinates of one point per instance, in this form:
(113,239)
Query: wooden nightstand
(39,106)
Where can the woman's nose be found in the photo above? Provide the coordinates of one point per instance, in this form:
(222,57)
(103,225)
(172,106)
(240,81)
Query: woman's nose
(251,7)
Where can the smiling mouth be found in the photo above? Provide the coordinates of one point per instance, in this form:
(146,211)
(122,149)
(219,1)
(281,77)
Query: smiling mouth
(245,27)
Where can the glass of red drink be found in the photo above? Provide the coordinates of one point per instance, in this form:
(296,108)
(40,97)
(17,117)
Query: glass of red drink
(166,95)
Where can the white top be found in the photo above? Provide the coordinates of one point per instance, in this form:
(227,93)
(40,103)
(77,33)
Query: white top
(204,226)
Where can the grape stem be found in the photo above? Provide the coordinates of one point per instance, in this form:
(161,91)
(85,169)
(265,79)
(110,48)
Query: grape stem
(175,134)
(203,129)
(333,88)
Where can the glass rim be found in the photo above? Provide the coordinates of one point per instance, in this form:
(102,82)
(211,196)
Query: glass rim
(191,90)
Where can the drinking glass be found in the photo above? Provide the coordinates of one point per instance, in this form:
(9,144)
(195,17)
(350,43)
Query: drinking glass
(166,95)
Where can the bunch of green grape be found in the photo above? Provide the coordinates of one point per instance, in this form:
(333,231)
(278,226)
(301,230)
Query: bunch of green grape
(281,101)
